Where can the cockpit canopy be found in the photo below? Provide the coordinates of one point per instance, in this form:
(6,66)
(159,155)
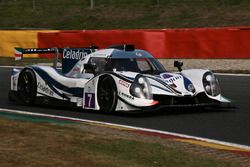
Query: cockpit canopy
(133,61)
(104,60)
(139,65)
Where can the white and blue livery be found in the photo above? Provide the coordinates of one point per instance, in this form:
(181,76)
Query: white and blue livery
(119,78)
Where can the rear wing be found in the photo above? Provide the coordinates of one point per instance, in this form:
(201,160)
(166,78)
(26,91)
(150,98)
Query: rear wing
(69,55)
(19,52)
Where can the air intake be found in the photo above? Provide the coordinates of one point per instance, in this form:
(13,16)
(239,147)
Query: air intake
(126,47)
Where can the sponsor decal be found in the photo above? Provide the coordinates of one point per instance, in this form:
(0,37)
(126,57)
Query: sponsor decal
(79,102)
(89,89)
(126,96)
(89,100)
(138,54)
(166,76)
(173,79)
(74,54)
(45,89)
(124,83)
(173,85)
(71,56)
(18,53)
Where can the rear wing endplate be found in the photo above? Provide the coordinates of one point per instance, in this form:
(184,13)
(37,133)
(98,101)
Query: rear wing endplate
(19,52)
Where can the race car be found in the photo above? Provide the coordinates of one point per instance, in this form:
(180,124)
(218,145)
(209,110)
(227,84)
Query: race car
(118,78)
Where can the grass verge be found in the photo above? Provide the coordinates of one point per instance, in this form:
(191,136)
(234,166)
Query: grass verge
(39,143)
(123,14)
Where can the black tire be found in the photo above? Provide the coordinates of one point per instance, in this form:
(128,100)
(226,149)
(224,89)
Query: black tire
(107,94)
(10,98)
(27,87)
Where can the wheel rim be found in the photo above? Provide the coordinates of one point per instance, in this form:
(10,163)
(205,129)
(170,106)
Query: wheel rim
(106,95)
(26,87)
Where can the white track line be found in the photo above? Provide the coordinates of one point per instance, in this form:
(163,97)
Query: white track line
(132,128)
(11,66)
(228,74)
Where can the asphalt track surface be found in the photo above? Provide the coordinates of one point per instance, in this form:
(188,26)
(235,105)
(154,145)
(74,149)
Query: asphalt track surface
(224,125)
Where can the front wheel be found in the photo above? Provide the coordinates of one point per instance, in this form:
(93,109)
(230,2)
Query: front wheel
(107,94)
(27,86)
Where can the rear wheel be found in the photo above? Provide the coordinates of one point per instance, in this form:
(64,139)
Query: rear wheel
(107,94)
(27,86)
(10,98)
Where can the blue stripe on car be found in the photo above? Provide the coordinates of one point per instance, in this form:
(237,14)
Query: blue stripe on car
(186,82)
(52,83)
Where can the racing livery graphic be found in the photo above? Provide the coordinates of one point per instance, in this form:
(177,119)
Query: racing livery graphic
(119,78)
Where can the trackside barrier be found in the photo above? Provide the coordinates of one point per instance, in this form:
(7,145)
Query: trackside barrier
(15,38)
(18,38)
(197,43)
(200,43)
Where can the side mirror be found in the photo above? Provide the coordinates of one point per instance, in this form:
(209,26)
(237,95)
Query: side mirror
(178,65)
(90,67)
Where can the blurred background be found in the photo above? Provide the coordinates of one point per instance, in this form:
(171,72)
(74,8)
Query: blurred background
(122,14)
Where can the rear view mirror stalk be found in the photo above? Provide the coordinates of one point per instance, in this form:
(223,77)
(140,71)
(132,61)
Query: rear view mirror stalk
(178,65)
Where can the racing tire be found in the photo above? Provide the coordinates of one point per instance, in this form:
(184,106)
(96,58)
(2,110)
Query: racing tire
(10,98)
(107,94)
(27,87)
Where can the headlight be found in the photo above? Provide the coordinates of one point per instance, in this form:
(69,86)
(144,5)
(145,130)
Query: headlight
(191,88)
(211,84)
(141,88)
(188,85)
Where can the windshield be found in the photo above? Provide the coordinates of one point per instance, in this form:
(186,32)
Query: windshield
(140,65)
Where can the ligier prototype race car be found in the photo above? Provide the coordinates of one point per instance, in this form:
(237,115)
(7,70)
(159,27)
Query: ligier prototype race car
(119,78)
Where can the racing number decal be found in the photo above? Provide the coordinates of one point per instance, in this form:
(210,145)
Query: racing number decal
(89,100)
